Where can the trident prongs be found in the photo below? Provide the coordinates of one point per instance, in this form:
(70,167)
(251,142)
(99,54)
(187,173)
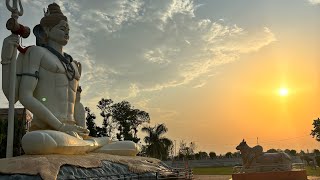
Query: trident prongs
(14,9)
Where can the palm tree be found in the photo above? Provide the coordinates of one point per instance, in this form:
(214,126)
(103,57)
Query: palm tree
(157,146)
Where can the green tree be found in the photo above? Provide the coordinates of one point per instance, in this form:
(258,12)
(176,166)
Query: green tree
(302,152)
(91,125)
(187,151)
(212,155)
(157,145)
(3,138)
(236,154)
(316,151)
(293,152)
(203,155)
(272,151)
(315,133)
(128,120)
(143,151)
(287,151)
(317,160)
(121,115)
(228,155)
(197,156)
(19,131)
(106,112)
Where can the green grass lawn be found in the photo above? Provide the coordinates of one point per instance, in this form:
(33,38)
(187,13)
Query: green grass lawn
(228,171)
(313,172)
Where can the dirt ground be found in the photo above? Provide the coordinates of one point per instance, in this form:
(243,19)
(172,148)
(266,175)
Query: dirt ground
(217,177)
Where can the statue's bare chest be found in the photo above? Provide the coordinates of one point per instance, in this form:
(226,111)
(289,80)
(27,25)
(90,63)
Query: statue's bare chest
(51,63)
(55,71)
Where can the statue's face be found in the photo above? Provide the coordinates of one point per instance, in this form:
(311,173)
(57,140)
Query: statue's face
(60,33)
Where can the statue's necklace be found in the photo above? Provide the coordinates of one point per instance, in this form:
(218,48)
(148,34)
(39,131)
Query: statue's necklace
(65,61)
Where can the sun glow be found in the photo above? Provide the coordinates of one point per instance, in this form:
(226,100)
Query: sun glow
(283,92)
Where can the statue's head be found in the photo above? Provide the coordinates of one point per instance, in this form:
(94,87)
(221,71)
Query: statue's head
(53,26)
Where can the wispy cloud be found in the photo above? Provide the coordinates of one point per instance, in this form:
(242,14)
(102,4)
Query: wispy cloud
(161,55)
(200,85)
(212,44)
(185,7)
(163,114)
(314,1)
(131,49)
(117,14)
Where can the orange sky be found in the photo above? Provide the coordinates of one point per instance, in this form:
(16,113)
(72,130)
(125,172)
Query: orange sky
(210,69)
(246,103)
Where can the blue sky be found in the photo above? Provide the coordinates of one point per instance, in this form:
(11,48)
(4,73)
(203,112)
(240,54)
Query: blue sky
(171,57)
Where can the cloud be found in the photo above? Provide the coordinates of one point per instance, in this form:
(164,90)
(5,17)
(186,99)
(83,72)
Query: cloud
(200,85)
(210,44)
(184,7)
(133,47)
(160,55)
(155,56)
(116,14)
(130,49)
(314,2)
(162,113)
(133,91)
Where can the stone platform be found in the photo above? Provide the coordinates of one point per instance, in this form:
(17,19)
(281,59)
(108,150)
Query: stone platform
(280,175)
(92,165)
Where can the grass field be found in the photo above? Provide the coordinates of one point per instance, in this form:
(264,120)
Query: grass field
(313,172)
(228,171)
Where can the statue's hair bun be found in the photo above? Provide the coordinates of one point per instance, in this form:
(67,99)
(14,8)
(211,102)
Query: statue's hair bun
(54,9)
(53,16)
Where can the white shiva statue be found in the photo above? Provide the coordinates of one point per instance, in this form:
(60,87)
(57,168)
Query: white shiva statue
(47,84)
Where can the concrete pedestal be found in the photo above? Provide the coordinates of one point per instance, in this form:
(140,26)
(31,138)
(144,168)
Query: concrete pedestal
(283,175)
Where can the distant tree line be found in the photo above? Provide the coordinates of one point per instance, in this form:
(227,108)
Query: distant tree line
(187,152)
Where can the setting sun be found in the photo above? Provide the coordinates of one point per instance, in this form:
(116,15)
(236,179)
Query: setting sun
(283,91)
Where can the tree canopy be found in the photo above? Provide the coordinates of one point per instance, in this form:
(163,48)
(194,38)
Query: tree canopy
(157,145)
(212,155)
(19,131)
(128,119)
(187,151)
(272,151)
(117,116)
(315,133)
(91,125)
(228,155)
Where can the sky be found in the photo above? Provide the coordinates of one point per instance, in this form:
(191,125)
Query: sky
(210,70)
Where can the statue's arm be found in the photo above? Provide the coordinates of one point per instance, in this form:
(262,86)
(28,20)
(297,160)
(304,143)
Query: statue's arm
(27,87)
(8,48)
(8,51)
(79,112)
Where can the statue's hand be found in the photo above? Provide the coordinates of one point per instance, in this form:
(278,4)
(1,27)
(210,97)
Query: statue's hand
(8,48)
(67,128)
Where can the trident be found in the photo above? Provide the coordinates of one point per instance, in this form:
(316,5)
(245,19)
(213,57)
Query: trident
(14,9)
(15,28)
